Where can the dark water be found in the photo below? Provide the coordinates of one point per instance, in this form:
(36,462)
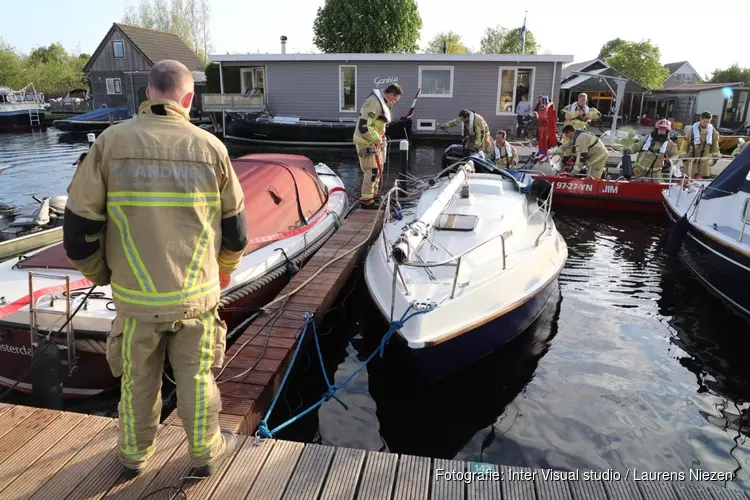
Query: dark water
(632,365)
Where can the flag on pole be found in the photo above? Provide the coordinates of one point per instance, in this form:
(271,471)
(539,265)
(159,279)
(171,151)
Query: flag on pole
(523,34)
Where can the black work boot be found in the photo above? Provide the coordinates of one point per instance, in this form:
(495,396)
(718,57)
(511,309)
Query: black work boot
(230,442)
(373,205)
(132,472)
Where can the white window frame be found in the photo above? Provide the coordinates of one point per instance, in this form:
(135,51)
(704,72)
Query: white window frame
(688,77)
(678,77)
(515,69)
(426,124)
(254,70)
(341,89)
(429,68)
(112,86)
(114,53)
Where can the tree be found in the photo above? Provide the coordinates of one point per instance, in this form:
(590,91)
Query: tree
(501,40)
(639,61)
(345,26)
(453,41)
(188,19)
(732,74)
(51,69)
(11,70)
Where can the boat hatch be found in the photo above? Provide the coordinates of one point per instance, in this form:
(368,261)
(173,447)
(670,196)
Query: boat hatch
(457,222)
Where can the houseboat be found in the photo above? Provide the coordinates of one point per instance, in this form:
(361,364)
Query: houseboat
(21,109)
(333,87)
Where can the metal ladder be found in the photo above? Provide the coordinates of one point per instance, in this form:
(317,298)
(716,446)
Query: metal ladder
(34,118)
(70,346)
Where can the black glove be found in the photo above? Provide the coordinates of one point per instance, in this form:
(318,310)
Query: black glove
(667,162)
(626,152)
(559,144)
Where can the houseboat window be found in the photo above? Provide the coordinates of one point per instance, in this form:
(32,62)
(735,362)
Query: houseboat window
(436,81)
(117,47)
(511,85)
(347,88)
(688,78)
(678,77)
(114,86)
(252,79)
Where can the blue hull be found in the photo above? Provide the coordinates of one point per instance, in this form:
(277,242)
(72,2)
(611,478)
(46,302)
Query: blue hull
(724,271)
(441,360)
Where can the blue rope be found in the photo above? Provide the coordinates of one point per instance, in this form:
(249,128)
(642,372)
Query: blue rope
(263,430)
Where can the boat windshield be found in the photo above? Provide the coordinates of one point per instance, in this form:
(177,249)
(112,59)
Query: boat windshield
(733,179)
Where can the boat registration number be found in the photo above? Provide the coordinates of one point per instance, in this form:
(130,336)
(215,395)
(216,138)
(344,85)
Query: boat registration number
(574,186)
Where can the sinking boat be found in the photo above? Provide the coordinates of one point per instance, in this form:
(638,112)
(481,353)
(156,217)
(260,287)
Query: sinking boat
(31,227)
(269,128)
(478,256)
(93,121)
(291,205)
(712,230)
(616,192)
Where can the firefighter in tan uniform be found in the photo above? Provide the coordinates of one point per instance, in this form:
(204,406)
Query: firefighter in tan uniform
(701,141)
(589,152)
(474,131)
(505,155)
(155,210)
(741,146)
(655,153)
(369,139)
(579,113)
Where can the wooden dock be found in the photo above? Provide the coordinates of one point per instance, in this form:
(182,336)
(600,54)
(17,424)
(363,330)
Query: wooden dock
(267,345)
(54,455)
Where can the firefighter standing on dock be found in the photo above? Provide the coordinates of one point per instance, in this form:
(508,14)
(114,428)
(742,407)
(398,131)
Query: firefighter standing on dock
(654,153)
(701,141)
(589,152)
(579,113)
(369,139)
(156,211)
(474,130)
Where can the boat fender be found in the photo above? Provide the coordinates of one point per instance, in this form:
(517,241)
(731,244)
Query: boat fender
(627,165)
(46,382)
(677,235)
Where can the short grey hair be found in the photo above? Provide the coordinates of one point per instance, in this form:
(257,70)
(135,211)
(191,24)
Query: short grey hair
(169,76)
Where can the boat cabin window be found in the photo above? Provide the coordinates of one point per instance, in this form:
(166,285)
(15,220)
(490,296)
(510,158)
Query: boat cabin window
(118,48)
(347,88)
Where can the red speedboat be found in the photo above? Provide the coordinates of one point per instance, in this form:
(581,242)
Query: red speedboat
(291,205)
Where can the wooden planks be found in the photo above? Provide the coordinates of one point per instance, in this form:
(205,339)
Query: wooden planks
(246,394)
(74,456)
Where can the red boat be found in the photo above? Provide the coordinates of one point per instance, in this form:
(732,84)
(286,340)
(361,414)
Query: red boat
(605,194)
(291,205)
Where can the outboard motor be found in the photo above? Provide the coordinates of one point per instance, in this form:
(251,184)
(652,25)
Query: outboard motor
(456,152)
(57,208)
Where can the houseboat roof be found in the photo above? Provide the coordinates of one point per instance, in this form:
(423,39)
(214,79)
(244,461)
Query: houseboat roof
(436,58)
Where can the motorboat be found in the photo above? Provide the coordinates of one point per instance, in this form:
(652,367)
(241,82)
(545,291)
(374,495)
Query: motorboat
(93,121)
(31,227)
(476,259)
(21,109)
(292,208)
(617,192)
(711,230)
(270,128)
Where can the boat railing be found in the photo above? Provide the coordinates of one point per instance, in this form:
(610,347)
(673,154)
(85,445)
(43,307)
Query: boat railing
(455,260)
(233,102)
(70,106)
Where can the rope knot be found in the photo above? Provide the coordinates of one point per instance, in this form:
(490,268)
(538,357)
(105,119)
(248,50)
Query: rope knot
(330,394)
(263,430)
(308,317)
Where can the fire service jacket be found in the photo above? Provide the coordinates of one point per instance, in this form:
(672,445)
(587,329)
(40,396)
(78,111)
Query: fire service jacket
(155,210)
(373,118)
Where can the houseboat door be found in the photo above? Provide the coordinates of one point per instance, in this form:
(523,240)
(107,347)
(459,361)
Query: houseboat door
(735,111)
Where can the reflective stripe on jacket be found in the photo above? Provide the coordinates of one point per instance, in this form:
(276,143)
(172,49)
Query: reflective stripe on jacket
(174,214)
(371,123)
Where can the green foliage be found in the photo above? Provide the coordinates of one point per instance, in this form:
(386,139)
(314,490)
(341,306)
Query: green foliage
(732,74)
(51,69)
(639,61)
(345,26)
(188,19)
(231,79)
(453,40)
(501,40)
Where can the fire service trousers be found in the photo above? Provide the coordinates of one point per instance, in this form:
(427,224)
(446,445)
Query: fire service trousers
(135,352)
(368,162)
(700,167)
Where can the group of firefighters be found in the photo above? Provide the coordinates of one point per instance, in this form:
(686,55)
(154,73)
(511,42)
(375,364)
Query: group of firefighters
(582,152)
